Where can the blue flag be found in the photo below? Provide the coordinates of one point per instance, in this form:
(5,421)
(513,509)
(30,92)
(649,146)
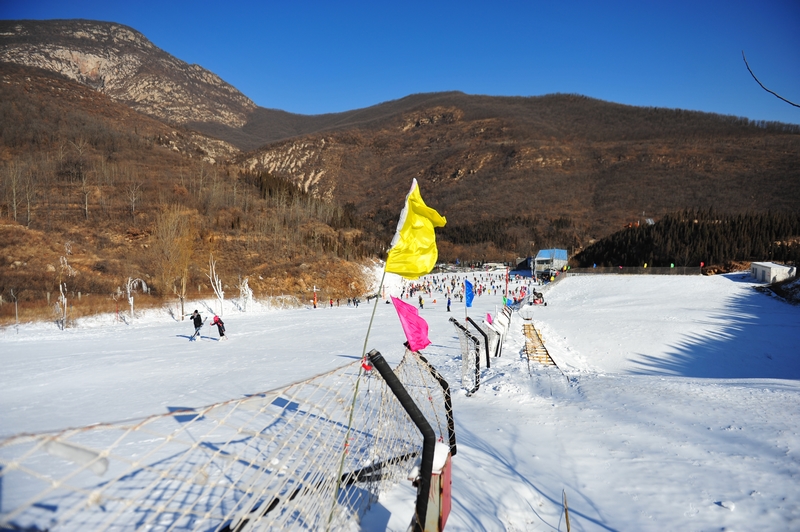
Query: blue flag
(469,293)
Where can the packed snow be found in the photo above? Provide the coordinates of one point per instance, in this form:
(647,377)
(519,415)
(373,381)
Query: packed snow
(676,404)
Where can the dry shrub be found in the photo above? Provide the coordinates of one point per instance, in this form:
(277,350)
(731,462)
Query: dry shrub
(727,267)
(87,305)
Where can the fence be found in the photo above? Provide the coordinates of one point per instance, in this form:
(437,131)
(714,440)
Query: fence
(470,358)
(313,455)
(501,324)
(678,270)
(490,340)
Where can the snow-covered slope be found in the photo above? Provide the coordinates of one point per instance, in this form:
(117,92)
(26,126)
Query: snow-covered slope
(678,408)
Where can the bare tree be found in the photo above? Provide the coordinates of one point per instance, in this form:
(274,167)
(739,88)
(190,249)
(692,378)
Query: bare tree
(172,246)
(115,296)
(245,293)
(134,192)
(16,310)
(180,289)
(86,191)
(201,179)
(80,145)
(216,284)
(30,195)
(61,306)
(107,173)
(62,154)
(130,287)
(14,187)
(235,187)
(65,271)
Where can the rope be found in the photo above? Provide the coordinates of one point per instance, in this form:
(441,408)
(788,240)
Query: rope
(353,402)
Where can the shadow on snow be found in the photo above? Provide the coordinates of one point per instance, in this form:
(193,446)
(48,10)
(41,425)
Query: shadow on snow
(755,338)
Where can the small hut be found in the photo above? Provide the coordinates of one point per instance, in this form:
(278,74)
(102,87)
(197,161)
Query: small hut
(769,272)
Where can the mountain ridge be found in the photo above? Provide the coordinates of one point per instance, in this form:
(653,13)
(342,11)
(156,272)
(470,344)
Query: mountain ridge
(583,167)
(594,162)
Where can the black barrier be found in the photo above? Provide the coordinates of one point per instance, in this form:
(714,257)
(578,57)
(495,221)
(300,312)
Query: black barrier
(448,403)
(635,270)
(485,340)
(428,436)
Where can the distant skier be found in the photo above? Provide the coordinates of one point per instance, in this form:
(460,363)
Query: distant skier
(198,322)
(448,303)
(220,327)
(420,302)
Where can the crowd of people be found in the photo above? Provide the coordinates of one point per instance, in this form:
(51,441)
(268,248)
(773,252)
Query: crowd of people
(452,287)
(449,286)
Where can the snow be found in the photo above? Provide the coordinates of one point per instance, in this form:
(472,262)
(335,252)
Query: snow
(678,407)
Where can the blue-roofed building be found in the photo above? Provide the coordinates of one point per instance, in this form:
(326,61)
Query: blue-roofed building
(550,258)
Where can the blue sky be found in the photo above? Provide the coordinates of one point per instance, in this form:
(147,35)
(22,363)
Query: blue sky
(315,57)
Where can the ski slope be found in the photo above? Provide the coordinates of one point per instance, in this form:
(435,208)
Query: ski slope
(678,407)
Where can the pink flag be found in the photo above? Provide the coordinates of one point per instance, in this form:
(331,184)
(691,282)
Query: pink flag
(488,318)
(414,326)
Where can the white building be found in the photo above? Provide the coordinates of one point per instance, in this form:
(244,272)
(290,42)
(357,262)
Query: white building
(550,258)
(769,272)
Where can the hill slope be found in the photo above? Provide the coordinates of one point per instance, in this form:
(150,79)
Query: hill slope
(89,189)
(511,174)
(584,167)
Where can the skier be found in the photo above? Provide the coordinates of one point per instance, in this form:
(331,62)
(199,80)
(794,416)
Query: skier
(420,302)
(198,322)
(448,303)
(220,327)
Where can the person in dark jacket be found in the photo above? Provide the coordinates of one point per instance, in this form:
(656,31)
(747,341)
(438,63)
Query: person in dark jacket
(220,326)
(198,322)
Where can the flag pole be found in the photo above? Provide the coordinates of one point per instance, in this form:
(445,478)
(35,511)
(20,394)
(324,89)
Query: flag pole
(466,312)
(412,253)
(353,403)
(466,308)
(369,328)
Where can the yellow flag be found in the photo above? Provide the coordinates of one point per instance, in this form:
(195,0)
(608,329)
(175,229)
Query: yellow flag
(413,252)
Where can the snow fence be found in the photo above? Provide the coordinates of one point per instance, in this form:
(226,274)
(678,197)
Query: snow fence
(312,456)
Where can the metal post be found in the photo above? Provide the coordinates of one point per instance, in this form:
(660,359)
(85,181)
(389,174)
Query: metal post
(428,436)
(448,403)
(485,340)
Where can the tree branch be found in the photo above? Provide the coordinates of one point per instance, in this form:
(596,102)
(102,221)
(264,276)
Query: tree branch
(762,85)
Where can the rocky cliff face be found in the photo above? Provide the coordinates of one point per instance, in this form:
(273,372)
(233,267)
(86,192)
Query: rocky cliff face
(582,163)
(122,63)
(302,162)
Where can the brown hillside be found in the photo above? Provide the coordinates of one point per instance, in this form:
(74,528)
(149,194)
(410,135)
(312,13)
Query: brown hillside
(86,185)
(592,165)
(511,174)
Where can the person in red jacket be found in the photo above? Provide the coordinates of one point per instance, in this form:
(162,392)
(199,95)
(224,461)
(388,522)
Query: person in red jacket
(220,326)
